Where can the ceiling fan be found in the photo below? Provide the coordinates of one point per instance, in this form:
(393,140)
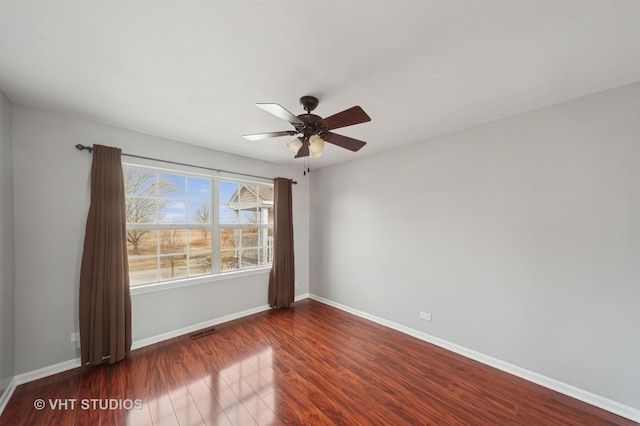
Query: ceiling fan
(313,131)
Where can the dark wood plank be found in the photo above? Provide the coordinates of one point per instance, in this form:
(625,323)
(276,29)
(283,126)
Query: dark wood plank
(309,364)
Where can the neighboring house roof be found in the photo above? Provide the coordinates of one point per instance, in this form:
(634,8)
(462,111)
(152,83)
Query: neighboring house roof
(250,196)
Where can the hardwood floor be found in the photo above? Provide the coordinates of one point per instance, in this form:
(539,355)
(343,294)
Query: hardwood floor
(309,364)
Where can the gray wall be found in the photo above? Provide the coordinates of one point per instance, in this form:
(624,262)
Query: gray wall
(7,279)
(51,190)
(521,237)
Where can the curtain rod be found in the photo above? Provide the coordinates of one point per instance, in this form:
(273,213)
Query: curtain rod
(81,147)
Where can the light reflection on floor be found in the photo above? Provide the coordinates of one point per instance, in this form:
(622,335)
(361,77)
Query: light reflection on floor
(242,393)
(252,381)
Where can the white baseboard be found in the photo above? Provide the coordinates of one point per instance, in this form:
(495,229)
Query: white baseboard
(211,323)
(564,388)
(30,376)
(302,297)
(4,383)
(74,363)
(186,330)
(9,385)
(47,371)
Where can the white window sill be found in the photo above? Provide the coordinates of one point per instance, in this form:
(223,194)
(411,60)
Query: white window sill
(166,285)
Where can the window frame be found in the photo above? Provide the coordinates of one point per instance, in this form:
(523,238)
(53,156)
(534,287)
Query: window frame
(214,227)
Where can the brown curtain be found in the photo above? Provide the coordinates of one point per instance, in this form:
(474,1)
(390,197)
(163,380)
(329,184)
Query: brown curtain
(105,302)
(282,277)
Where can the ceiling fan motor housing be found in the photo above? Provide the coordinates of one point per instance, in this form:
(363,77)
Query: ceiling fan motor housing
(312,125)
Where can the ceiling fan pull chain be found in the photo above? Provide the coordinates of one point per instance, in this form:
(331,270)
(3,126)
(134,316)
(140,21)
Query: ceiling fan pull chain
(306,166)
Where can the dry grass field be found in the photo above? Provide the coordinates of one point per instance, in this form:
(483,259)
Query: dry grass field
(173,245)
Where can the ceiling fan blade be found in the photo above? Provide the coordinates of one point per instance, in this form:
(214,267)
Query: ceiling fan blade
(348,117)
(280,112)
(259,136)
(343,141)
(304,150)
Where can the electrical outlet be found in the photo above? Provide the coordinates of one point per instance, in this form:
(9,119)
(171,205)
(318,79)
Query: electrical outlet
(425,316)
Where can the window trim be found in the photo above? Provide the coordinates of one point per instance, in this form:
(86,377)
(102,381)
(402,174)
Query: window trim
(215,228)
(199,280)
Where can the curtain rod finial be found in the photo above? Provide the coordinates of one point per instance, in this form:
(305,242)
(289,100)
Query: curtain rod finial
(81,147)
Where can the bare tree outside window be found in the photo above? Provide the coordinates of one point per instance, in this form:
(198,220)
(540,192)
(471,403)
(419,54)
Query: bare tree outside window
(142,190)
(203,215)
(172,241)
(203,263)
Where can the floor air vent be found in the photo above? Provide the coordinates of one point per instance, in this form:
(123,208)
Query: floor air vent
(202,333)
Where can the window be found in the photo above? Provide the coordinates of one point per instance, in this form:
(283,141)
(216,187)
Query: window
(182,225)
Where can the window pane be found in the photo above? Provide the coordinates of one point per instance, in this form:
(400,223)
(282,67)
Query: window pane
(266,194)
(270,216)
(245,203)
(199,188)
(173,211)
(246,248)
(172,186)
(228,195)
(247,237)
(141,210)
(200,240)
(267,248)
(250,238)
(199,212)
(261,215)
(249,258)
(247,195)
(227,215)
(248,216)
(142,242)
(266,215)
(267,254)
(229,260)
(200,264)
(228,238)
(173,267)
(173,241)
(139,183)
(143,270)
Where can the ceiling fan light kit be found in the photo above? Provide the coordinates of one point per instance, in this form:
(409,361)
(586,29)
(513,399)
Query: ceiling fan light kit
(295,145)
(316,145)
(313,131)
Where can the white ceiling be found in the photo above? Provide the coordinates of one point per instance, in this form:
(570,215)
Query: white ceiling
(192,70)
